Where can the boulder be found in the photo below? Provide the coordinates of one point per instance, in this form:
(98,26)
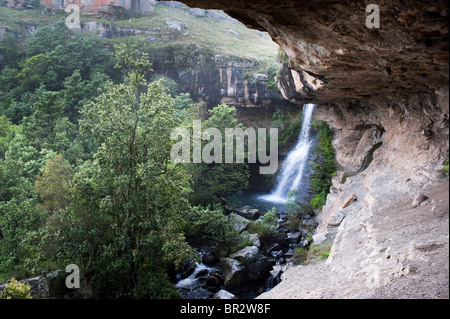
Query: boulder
(349,200)
(234,273)
(209,259)
(256,264)
(254,238)
(56,283)
(246,255)
(318,239)
(294,237)
(336,220)
(419,199)
(224,295)
(38,285)
(175,26)
(214,279)
(261,77)
(240,223)
(247,213)
(253,214)
(276,247)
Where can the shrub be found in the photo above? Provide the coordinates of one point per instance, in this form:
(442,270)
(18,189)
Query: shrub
(294,221)
(16,290)
(323,165)
(319,201)
(446,166)
(266,228)
(296,206)
(300,255)
(288,125)
(320,252)
(210,223)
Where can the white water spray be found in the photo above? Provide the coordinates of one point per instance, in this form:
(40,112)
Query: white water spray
(292,172)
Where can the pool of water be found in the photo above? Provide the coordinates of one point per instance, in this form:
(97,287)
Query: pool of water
(255,200)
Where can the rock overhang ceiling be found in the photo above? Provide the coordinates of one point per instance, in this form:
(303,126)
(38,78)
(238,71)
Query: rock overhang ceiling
(335,53)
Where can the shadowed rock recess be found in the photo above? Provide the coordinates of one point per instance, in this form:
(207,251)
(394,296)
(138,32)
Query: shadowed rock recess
(385,94)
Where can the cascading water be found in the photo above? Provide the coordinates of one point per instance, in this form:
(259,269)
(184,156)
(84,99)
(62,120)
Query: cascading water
(293,169)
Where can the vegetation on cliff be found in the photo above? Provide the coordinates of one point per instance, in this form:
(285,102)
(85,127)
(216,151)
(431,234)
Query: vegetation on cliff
(323,164)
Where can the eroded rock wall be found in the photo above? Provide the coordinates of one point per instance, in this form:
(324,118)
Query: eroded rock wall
(217,79)
(330,41)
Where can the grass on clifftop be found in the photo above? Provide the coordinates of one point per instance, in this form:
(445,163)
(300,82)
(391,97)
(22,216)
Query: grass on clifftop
(15,20)
(224,36)
(217,32)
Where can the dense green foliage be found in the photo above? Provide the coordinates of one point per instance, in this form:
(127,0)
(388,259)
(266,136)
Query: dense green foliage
(289,126)
(266,228)
(323,164)
(210,181)
(446,166)
(16,290)
(211,224)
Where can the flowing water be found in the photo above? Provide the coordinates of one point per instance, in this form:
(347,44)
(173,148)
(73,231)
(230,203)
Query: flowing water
(194,286)
(293,171)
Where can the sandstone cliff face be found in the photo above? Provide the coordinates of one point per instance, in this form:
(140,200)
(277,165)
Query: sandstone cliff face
(330,41)
(217,79)
(385,93)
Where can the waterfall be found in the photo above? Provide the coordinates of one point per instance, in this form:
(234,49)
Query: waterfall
(294,166)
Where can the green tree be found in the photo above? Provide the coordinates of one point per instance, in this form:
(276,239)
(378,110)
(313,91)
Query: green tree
(211,224)
(54,186)
(18,212)
(182,102)
(7,133)
(211,181)
(144,194)
(8,79)
(18,169)
(47,38)
(32,72)
(46,127)
(267,227)
(78,92)
(10,51)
